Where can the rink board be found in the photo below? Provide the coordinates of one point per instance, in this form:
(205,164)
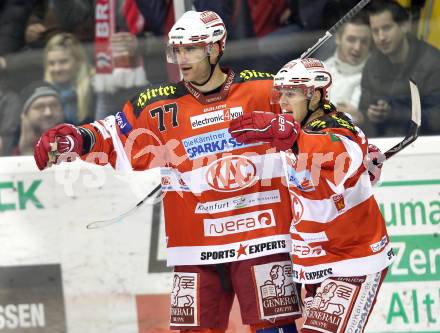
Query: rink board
(57,276)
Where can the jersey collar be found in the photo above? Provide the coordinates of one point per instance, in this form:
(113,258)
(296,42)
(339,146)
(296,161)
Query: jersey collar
(215,97)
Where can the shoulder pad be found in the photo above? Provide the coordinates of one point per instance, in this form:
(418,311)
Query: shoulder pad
(156,92)
(251,74)
(332,120)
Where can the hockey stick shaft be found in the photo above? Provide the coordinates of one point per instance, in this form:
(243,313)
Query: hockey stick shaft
(329,33)
(416,112)
(103,223)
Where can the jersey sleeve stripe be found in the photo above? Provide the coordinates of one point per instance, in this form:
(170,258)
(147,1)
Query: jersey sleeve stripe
(108,129)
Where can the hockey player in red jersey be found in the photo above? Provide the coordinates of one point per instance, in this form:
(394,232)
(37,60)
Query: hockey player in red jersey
(226,223)
(340,246)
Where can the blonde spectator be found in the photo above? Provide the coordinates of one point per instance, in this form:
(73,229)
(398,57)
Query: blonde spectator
(67,68)
(353,44)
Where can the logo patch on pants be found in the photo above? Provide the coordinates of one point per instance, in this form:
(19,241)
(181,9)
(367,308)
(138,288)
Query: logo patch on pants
(184,301)
(328,310)
(277,296)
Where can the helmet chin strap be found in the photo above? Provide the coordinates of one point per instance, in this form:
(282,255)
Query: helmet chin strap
(310,111)
(211,71)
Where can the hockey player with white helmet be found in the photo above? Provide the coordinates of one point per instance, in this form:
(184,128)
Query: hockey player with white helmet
(302,78)
(191,42)
(340,247)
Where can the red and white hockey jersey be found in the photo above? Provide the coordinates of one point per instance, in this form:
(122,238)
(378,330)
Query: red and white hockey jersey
(224,201)
(337,228)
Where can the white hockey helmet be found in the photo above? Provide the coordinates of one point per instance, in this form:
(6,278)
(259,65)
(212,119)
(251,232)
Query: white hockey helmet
(193,28)
(307,74)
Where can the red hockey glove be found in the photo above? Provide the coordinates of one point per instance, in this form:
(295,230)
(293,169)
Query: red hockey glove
(374,167)
(61,139)
(280,130)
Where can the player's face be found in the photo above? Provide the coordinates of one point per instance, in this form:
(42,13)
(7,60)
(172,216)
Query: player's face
(45,112)
(193,61)
(198,72)
(294,101)
(388,35)
(190,54)
(61,66)
(354,43)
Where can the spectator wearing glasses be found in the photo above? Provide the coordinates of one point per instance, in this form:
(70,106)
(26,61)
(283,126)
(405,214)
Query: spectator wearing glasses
(41,110)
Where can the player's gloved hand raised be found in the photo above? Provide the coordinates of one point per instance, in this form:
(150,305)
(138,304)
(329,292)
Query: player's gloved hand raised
(280,130)
(61,139)
(374,164)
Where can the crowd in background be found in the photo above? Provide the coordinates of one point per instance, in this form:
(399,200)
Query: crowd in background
(49,71)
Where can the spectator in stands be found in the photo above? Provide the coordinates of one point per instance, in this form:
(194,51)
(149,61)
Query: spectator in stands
(353,43)
(9,120)
(127,77)
(41,109)
(67,68)
(49,18)
(272,22)
(13,17)
(280,24)
(122,73)
(385,99)
(159,14)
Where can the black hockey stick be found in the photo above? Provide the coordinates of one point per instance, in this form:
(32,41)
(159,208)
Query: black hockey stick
(330,32)
(106,222)
(416,121)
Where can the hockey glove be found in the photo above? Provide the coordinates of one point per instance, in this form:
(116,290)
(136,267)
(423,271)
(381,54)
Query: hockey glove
(61,139)
(374,167)
(280,130)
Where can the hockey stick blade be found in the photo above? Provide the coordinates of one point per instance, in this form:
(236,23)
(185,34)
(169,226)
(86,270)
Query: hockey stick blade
(104,223)
(416,121)
(329,33)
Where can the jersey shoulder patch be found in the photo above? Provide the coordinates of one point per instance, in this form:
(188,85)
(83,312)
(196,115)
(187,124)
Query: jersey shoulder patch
(329,121)
(156,92)
(252,74)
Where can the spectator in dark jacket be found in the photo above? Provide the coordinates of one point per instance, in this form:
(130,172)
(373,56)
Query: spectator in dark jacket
(51,17)
(158,15)
(13,17)
(385,98)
